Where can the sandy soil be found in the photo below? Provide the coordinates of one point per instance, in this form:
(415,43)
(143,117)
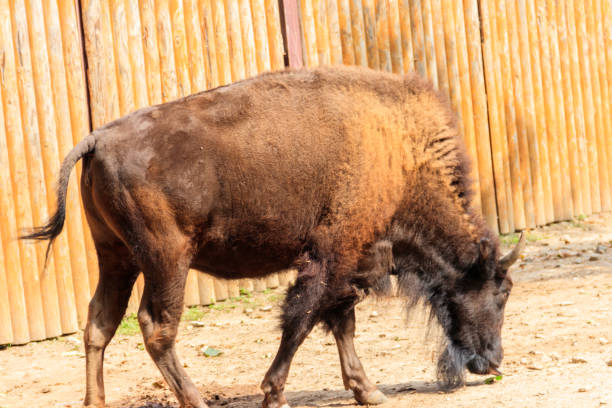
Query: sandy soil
(557,338)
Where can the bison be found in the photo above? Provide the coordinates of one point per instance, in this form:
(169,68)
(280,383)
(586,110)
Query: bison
(347,174)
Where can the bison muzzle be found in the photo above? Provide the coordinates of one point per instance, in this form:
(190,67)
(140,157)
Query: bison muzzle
(347,174)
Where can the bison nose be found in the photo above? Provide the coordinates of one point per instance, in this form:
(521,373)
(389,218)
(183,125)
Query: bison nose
(493,369)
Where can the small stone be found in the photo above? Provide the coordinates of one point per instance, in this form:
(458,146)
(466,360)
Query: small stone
(197,323)
(554,356)
(266,308)
(603,341)
(593,258)
(45,390)
(582,389)
(565,238)
(601,249)
(535,366)
(159,384)
(609,363)
(567,303)
(539,336)
(524,361)
(578,360)
(248,310)
(374,313)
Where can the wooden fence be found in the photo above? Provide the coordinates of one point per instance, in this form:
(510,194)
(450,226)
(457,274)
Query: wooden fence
(531,81)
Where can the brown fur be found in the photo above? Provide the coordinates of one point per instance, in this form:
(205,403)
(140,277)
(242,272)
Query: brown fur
(342,172)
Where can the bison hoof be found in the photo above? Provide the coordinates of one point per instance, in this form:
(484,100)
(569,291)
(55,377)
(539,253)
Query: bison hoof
(375,397)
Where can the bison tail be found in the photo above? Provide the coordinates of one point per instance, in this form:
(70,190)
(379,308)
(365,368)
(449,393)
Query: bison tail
(54,226)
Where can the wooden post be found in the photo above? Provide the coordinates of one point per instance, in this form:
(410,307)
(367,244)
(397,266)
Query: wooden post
(441,59)
(206,288)
(150,51)
(6,331)
(295,55)
(551,172)
(123,68)
(382,36)
(566,205)
(346,35)
(467,111)
(248,40)
(496,121)
(406,28)
(311,56)
(588,104)
(518,206)
(320,20)
(79,118)
(136,54)
(600,99)
(10,264)
(275,36)
(335,42)
(261,35)
(166,51)
(418,40)
(570,114)
(606,43)
(358,33)
(208,44)
(395,37)
(428,36)
(369,25)
(578,108)
(452,63)
(487,189)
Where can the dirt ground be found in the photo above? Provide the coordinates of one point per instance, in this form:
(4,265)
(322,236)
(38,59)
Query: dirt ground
(557,339)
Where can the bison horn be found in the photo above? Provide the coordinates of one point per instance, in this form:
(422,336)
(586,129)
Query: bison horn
(507,260)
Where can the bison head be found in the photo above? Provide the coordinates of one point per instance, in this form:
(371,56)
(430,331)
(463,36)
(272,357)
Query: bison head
(472,313)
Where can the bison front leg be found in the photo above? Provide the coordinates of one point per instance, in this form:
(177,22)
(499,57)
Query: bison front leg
(342,324)
(301,311)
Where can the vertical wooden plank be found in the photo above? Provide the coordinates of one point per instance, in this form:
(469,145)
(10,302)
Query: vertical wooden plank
(407,52)
(272,281)
(121,53)
(100,63)
(503,53)
(440,56)
(428,37)
(6,331)
(418,40)
(606,43)
(599,85)
(275,36)
(569,112)
(566,204)
(369,25)
(320,18)
(150,51)
(169,78)
(588,103)
(346,34)
(261,35)
(467,110)
(206,288)
(551,175)
(335,43)
(8,228)
(181,55)
(208,44)
(221,289)
(311,56)
(232,18)
(531,117)
(382,36)
(395,37)
(248,40)
(65,141)
(32,13)
(14,189)
(136,54)
(487,189)
(72,46)
(578,108)
(358,33)
(496,124)
(452,67)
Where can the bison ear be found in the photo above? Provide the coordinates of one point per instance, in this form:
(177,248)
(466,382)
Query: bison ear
(484,266)
(485,248)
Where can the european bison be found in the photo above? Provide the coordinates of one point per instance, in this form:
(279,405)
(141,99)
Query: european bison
(347,174)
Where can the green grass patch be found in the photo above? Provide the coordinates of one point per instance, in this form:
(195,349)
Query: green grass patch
(129,325)
(193,313)
(513,238)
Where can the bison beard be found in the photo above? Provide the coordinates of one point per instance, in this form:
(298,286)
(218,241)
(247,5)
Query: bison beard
(345,173)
